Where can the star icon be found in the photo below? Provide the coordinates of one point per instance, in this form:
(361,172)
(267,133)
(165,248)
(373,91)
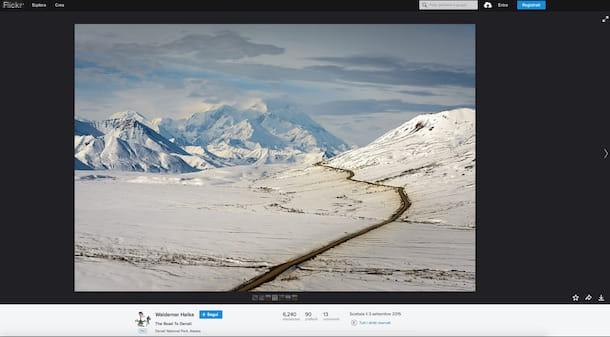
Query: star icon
(575,298)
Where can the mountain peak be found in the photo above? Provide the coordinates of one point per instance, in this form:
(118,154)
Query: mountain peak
(236,133)
(129,114)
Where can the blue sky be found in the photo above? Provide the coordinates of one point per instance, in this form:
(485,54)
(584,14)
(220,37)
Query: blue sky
(358,81)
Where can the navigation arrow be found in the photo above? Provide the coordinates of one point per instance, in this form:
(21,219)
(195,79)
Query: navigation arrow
(605,153)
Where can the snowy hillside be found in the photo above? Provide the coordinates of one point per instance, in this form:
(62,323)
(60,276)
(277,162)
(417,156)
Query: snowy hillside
(220,137)
(433,157)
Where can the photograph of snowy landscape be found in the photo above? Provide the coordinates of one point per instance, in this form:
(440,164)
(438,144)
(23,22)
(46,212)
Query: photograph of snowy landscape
(274,158)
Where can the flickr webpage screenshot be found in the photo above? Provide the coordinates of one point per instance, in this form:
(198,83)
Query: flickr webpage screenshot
(305,169)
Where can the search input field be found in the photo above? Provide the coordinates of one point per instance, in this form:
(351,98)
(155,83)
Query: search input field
(448,5)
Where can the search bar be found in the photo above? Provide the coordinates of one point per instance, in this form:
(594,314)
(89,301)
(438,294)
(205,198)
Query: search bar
(427,5)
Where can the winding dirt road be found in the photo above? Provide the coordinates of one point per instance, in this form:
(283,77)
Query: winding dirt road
(281,268)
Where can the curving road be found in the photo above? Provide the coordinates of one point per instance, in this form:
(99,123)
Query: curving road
(281,268)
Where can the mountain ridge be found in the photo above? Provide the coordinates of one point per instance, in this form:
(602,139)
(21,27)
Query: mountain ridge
(224,136)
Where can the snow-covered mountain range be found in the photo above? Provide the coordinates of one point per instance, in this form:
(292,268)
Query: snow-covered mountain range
(224,136)
(433,157)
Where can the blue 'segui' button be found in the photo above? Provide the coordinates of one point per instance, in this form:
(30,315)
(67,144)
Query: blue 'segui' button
(531,5)
(210,314)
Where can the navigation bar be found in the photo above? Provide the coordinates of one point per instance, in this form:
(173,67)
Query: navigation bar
(246,5)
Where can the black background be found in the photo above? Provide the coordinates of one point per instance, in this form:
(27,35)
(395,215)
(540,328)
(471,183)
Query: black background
(542,119)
